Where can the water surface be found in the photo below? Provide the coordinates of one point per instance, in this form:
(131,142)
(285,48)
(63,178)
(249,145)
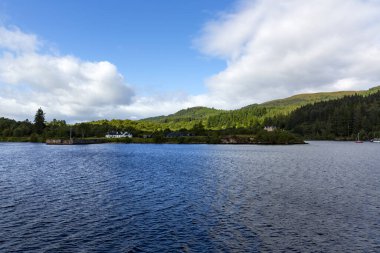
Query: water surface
(321,197)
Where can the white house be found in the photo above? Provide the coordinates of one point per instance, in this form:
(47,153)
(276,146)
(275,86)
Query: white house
(269,128)
(118,135)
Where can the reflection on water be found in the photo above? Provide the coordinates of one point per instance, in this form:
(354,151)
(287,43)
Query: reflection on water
(322,197)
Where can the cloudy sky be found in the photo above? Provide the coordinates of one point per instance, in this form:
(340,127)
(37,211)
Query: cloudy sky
(134,59)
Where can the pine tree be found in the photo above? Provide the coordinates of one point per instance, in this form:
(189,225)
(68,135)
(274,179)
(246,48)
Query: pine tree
(39,121)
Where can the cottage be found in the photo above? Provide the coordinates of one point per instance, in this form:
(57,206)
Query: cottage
(114,134)
(269,128)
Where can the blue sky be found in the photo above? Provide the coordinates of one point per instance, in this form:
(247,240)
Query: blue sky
(149,41)
(86,60)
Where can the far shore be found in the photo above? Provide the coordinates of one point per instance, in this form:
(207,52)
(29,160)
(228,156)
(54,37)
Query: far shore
(226,140)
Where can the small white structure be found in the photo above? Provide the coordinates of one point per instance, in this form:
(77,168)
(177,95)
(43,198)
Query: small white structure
(118,135)
(269,128)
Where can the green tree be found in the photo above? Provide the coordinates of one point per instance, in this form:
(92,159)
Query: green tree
(39,121)
(198,129)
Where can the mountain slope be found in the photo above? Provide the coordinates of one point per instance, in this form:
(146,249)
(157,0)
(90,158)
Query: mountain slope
(193,113)
(249,115)
(344,118)
(303,99)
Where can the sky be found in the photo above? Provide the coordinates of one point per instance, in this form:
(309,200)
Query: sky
(129,59)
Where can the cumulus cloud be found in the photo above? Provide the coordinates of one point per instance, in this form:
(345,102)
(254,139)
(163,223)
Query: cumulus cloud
(15,40)
(272,49)
(66,86)
(164,104)
(278,48)
(70,88)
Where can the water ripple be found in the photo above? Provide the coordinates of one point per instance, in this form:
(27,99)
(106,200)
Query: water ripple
(321,197)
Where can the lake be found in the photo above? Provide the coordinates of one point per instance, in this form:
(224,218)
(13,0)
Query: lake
(320,197)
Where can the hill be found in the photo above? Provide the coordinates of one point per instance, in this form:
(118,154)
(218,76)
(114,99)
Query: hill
(303,99)
(189,114)
(343,118)
(247,116)
(185,118)
(335,115)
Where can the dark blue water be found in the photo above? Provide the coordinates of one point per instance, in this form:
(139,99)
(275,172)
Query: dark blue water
(321,197)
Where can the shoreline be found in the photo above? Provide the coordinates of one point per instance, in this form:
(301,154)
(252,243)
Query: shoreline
(135,140)
(90,142)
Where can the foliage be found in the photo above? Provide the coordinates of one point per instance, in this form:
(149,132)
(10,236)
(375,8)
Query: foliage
(277,137)
(39,121)
(246,117)
(336,119)
(317,116)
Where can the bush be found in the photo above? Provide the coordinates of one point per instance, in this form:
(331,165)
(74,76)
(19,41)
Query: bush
(34,137)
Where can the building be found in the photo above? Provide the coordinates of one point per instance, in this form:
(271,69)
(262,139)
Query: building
(114,134)
(269,128)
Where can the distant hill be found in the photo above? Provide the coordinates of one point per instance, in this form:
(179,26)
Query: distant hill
(249,115)
(185,118)
(303,99)
(193,113)
(347,118)
(328,115)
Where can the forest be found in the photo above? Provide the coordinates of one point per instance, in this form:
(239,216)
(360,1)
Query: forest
(342,119)
(248,116)
(322,116)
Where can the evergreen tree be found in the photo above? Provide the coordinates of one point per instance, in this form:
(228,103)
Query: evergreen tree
(338,119)
(39,121)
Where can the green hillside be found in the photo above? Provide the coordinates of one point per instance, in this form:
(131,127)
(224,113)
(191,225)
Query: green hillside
(332,115)
(247,116)
(346,118)
(189,114)
(185,118)
(303,99)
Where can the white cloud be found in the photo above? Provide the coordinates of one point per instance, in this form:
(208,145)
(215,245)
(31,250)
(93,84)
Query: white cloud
(67,87)
(15,40)
(156,105)
(272,49)
(278,48)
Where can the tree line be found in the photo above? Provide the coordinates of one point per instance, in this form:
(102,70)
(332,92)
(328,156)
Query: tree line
(341,119)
